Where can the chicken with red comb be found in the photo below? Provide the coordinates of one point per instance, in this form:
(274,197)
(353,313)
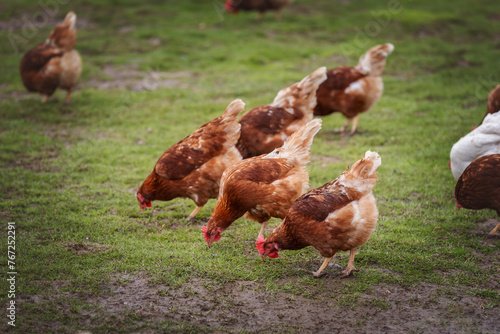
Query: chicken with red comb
(338,216)
(264,186)
(192,168)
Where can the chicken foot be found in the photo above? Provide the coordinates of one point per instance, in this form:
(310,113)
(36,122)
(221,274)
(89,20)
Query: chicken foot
(194,213)
(494,231)
(355,120)
(350,267)
(320,273)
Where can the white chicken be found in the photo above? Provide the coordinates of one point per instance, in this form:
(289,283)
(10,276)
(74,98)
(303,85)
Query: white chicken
(483,140)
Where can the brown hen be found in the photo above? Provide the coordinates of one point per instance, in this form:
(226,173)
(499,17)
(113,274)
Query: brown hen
(479,186)
(192,168)
(353,90)
(267,127)
(54,63)
(338,216)
(264,186)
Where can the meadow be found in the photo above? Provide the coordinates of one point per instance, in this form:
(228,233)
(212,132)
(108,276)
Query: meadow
(87,259)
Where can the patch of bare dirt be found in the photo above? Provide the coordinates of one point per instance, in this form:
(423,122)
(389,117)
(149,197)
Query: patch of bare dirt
(37,164)
(484,228)
(132,79)
(80,248)
(245,305)
(494,17)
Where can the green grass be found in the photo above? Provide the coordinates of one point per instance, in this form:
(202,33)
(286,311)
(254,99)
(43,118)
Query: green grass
(69,174)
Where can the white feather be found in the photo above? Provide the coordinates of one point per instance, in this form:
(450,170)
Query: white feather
(484,140)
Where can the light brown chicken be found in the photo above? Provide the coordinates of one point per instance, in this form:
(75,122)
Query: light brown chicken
(338,216)
(264,186)
(54,63)
(267,127)
(262,6)
(192,168)
(353,90)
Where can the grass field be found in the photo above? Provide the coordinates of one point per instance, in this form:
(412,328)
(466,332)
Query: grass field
(88,260)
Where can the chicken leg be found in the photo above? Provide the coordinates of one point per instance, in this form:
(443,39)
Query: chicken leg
(350,267)
(320,273)
(194,213)
(263,228)
(68,96)
(353,128)
(354,125)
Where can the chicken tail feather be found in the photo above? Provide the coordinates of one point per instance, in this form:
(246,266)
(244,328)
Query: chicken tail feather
(302,94)
(298,144)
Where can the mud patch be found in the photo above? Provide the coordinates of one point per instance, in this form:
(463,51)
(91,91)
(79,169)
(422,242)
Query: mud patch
(483,228)
(246,305)
(131,79)
(85,248)
(494,17)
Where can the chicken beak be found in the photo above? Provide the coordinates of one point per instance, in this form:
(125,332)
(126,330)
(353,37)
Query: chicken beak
(210,243)
(264,257)
(142,209)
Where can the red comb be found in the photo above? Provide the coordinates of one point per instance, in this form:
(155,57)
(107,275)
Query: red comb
(204,230)
(259,243)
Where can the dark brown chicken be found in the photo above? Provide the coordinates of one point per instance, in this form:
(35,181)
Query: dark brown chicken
(479,186)
(262,6)
(338,216)
(267,127)
(192,168)
(54,63)
(353,90)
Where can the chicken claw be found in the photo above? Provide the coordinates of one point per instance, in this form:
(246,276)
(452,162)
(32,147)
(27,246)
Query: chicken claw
(348,272)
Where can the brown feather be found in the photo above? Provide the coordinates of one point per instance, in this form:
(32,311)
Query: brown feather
(493,102)
(192,168)
(53,64)
(265,186)
(265,128)
(353,90)
(33,64)
(338,216)
(479,185)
